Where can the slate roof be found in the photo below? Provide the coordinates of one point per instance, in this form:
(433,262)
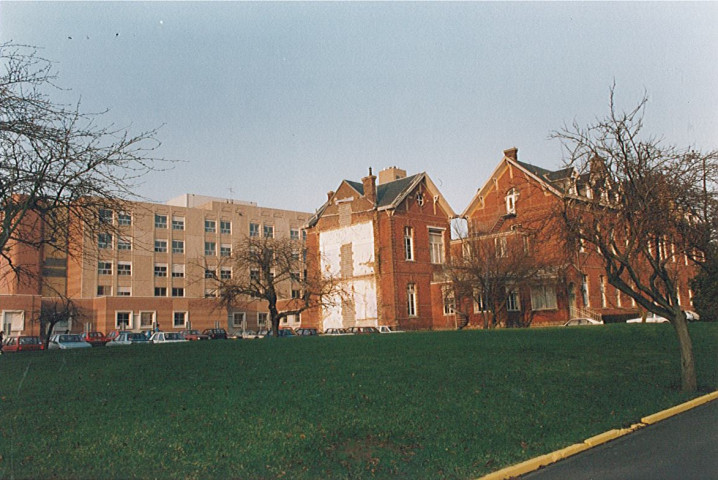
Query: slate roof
(552,177)
(387,193)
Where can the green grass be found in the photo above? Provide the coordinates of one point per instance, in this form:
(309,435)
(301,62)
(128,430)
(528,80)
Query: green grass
(414,405)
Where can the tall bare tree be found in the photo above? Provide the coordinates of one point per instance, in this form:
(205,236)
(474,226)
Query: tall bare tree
(274,270)
(58,167)
(649,208)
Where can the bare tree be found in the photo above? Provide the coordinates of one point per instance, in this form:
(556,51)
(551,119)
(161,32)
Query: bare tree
(58,167)
(275,271)
(58,310)
(495,270)
(649,207)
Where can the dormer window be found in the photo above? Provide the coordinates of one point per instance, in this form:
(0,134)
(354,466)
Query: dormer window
(511,198)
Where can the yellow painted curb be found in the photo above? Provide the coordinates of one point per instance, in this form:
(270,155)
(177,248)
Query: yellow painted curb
(549,458)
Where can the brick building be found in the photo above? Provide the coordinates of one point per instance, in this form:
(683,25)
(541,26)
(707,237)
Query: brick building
(387,241)
(517,204)
(156,267)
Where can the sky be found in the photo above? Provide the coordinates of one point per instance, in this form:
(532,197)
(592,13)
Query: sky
(278,102)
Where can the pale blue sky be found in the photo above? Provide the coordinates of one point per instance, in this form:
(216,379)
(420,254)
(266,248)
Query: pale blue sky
(281,101)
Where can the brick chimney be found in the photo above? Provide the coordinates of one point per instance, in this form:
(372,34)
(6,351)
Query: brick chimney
(369,183)
(390,174)
(512,153)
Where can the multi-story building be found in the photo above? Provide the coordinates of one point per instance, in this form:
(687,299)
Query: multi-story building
(155,265)
(519,203)
(388,242)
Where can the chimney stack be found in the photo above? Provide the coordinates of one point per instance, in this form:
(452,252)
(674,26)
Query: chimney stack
(390,174)
(369,184)
(512,153)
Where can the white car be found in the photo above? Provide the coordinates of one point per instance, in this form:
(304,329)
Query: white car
(64,341)
(127,338)
(652,318)
(388,329)
(582,321)
(167,337)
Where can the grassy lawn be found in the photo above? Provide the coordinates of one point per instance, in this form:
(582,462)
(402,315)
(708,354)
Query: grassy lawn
(413,405)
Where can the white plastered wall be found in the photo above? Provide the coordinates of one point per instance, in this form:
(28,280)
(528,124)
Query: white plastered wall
(361,285)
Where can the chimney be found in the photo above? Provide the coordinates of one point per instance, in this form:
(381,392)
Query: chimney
(512,153)
(390,174)
(369,184)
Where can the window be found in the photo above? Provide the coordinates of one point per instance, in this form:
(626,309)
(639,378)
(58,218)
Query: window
(238,319)
(543,297)
(254,275)
(210,273)
(602,288)
(210,226)
(147,319)
(124,218)
(124,291)
(449,303)
(104,268)
(269,231)
(124,244)
(179,319)
(408,243)
(177,223)
(123,320)
(294,234)
(479,303)
(160,269)
(160,221)
(104,291)
(177,246)
(178,271)
(225,226)
(105,216)
(225,273)
(177,292)
(500,245)
(210,292)
(296,294)
(527,245)
(124,268)
(584,291)
(253,229)
(436,246)
(261,319)
(161,246)
(513,303)
(618,298)
(104,240)
(511,198)
(225,250)
(160,291)
(420,199)
(411,299)
(210,248)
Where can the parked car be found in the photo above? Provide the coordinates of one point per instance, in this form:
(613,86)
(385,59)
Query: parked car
(24,343)
(389,329)
(65,341)
(574,322)
(283,333)
(128,338)
(194,335)
(215,333)
(652,318)
(362,330)
(249,334)
(96,339)
(262,333)
(337,331)
(306,332)
(112,334)
(167,337)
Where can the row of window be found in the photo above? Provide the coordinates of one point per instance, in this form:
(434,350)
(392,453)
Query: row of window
(107,217)
(225,227)
(146,320)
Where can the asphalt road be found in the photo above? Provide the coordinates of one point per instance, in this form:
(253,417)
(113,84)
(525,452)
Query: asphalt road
(683,447)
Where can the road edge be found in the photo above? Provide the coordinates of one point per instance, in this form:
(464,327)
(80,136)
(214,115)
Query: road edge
(553,457)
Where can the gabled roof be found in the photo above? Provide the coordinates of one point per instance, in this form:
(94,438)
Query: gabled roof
(389,195)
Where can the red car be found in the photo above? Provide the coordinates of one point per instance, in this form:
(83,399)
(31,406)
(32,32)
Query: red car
(193,335)
(96,339)
(115,333)
(23,344)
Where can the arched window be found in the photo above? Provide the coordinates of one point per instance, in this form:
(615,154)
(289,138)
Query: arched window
(511,198)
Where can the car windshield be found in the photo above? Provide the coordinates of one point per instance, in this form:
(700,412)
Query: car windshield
(137,336)
(29,341)
(173,336)
(70,338)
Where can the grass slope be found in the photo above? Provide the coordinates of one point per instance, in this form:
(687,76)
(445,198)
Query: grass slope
(414,405)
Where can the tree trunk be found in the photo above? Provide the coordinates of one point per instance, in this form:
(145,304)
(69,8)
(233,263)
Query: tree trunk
(689,382)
